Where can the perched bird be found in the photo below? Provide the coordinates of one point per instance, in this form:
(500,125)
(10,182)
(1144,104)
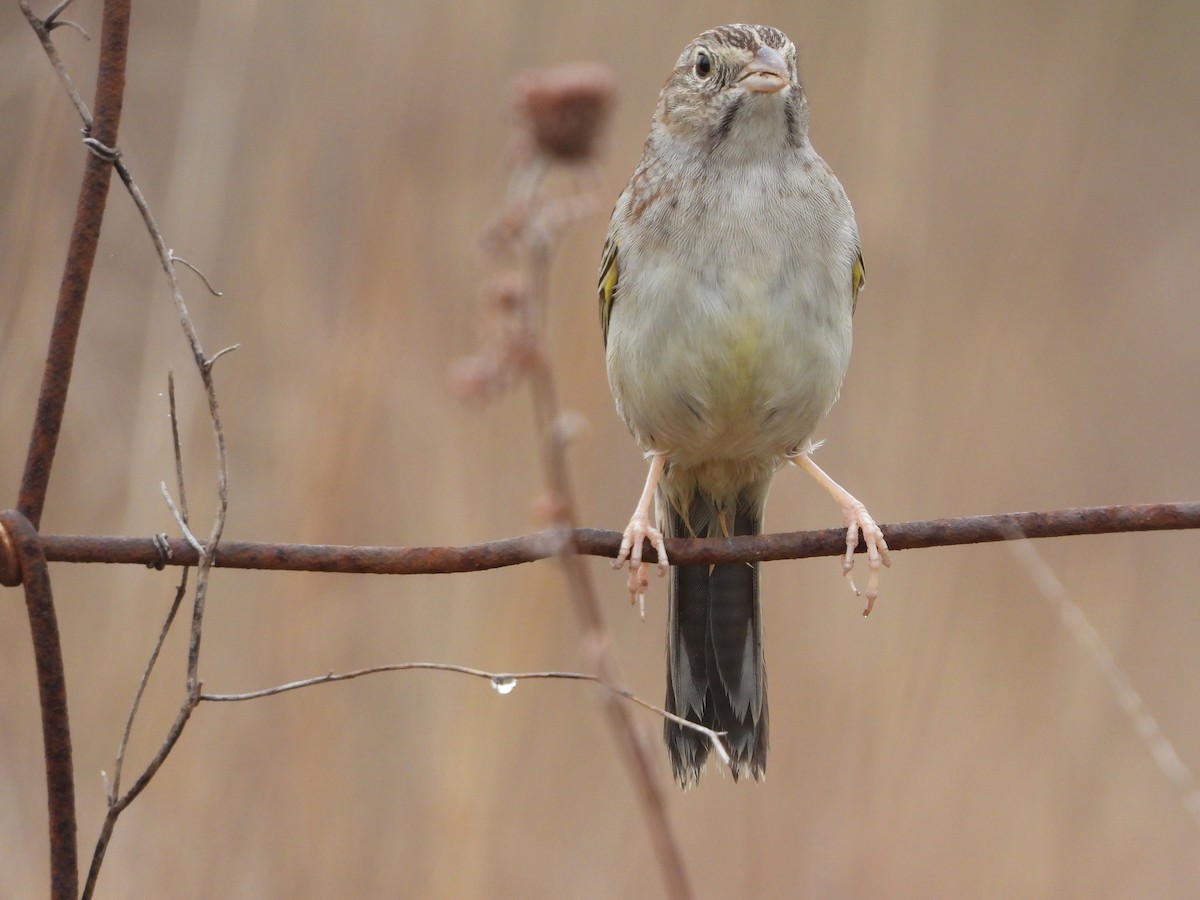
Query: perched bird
(728,281)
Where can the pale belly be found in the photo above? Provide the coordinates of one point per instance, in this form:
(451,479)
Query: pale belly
(742,375)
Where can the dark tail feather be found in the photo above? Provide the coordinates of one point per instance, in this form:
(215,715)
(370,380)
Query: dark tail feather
(715,671)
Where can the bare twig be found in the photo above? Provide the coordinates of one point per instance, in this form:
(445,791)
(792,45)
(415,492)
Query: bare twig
(182,522)
(212,360)
(42,28)
(203,364)
(204,551)
(205,367)
(498,679)
(117,802)
(67,23)
(118,806)
(177,447)
(51,21)
(114,788)
(502,681)
(208,284)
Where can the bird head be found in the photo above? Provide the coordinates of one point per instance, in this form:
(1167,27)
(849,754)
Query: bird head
(729,75)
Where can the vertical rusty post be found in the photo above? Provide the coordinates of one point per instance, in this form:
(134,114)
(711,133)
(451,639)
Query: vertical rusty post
(81,254)
(21,527)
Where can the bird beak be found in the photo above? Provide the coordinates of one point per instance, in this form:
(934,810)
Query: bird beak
(766,73)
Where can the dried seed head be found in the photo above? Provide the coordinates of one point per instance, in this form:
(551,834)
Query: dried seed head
(565,107)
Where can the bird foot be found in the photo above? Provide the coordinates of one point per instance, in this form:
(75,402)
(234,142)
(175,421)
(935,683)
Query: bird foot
(640,529)
(857,521)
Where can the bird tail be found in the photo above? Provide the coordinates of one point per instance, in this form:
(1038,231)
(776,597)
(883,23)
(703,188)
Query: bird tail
(715,671)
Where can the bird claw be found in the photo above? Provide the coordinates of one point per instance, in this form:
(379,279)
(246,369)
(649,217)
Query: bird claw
(857,521)
(640,529)
(639,581)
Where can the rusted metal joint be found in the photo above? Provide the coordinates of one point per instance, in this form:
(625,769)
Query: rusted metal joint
(163,545)
(10,563)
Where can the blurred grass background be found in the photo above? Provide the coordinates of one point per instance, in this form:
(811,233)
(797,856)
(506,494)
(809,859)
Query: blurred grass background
(1026,186)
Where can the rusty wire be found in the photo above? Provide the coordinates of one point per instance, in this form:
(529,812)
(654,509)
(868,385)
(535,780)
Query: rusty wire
(374,560)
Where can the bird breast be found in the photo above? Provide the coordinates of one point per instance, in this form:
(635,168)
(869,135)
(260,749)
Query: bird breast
(729,340)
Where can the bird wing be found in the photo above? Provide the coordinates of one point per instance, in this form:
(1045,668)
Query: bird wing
(857,280)
(606,289)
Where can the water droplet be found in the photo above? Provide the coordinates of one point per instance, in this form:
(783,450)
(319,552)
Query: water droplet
(503,684)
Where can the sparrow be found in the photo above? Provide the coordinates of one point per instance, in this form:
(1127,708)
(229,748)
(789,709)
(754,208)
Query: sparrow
(728,282)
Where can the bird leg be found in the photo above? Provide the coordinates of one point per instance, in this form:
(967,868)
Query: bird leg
(857,519)
(640,528)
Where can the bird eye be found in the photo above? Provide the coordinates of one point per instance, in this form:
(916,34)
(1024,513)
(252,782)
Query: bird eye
(703,67)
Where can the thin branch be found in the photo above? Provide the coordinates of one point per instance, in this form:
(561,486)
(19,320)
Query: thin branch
(67,23)
(116,801)
(714,737)
(501,681)
(177,448)
(182,522)
(51,20)
(375,560)
(41,28)
(497,679)
(114,789)
(205,552)
(118,806)
(205,367)
(212,360)
(208,284)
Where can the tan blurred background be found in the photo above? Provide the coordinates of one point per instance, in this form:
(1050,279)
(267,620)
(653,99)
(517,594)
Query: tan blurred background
(1027,187)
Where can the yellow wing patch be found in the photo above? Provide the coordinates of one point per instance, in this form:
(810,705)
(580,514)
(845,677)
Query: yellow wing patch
(858,279)
(606,289)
